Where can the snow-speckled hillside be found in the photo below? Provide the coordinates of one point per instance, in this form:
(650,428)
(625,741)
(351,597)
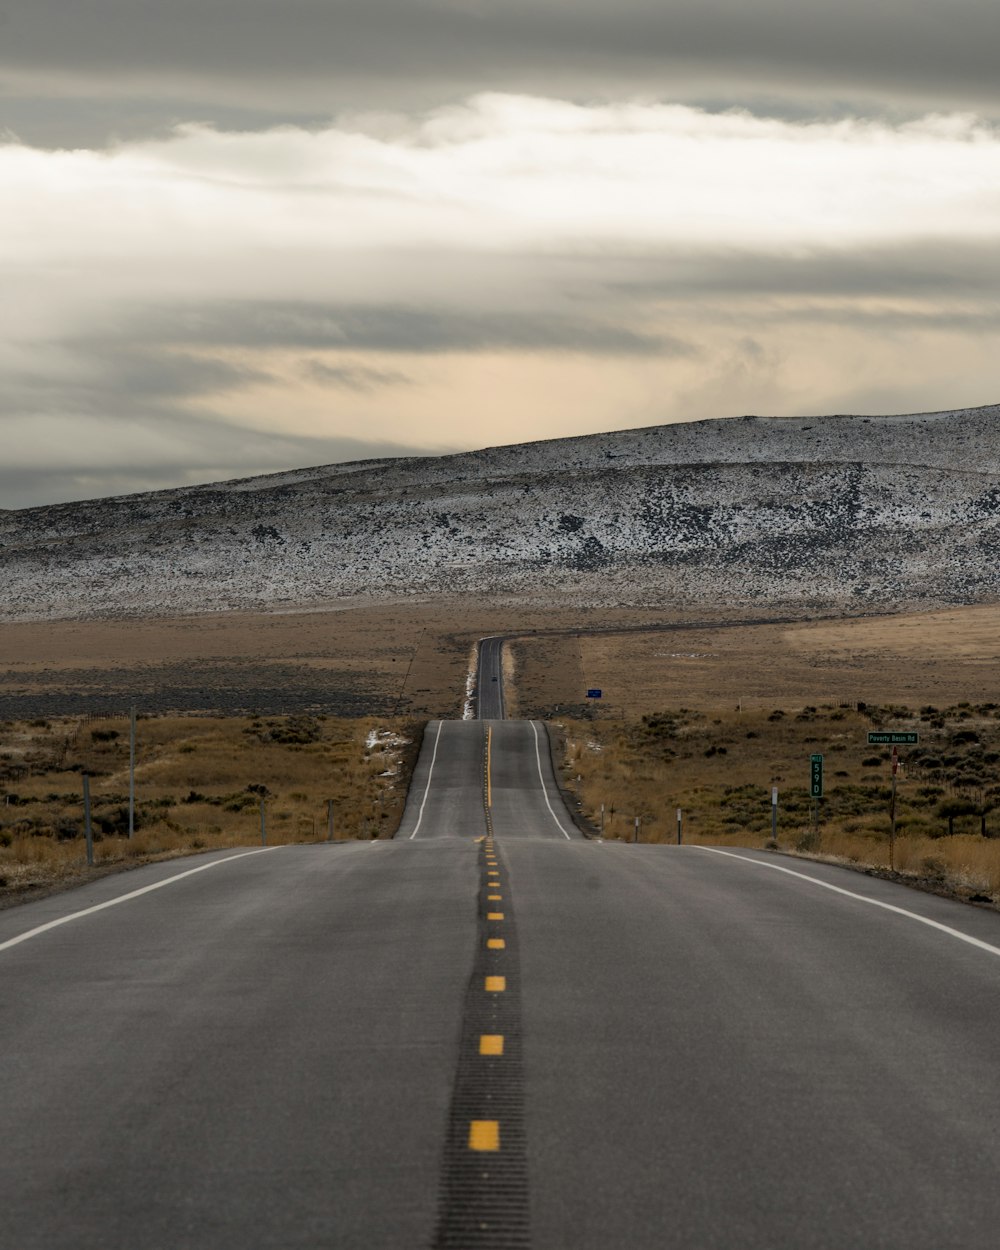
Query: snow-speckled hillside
(829,513)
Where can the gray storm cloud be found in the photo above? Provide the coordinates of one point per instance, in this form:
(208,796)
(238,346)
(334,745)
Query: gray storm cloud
(134,67)
(241,235)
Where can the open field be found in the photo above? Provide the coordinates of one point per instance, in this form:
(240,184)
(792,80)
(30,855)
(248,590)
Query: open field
(940,657)
(411,658)
(199,786)
(719,769)
(352,660)
(356,667)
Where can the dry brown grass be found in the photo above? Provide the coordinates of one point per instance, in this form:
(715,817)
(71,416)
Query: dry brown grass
(350,658)
(199,783)
(719,768)
(933,657)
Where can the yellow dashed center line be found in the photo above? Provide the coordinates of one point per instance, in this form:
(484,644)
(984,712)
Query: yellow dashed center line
(496,944)
(494,898)
(484,1135)
(496,985)
(489,767)
(494,915)
(491,1044)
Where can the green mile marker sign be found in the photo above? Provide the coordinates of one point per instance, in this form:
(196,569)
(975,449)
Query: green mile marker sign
(816,776)
(893,739)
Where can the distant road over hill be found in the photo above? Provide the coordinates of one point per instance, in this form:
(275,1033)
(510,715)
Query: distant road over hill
(824,513)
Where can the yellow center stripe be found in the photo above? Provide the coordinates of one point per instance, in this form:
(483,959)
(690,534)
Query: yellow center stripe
(496,985)
(489,767)
(491,1044)
(494,915)
(484,1135)
(496,944)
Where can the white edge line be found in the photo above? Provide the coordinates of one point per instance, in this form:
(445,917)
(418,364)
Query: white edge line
(427,788)
(545,795)
(874,902)
(124,898)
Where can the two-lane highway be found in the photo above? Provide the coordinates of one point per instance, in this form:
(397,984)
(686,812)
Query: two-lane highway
(494,1032)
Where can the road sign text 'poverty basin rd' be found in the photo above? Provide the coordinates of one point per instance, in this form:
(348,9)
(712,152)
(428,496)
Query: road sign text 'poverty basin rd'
(893,739)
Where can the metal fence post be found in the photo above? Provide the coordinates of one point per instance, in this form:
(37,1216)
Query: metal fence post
(87,830)
(131,773)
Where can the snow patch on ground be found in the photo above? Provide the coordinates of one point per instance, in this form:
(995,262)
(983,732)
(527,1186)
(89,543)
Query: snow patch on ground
(385,740)
(842,513)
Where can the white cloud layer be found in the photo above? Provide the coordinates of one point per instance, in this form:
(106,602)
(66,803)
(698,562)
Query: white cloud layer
(603,266)
(505,172)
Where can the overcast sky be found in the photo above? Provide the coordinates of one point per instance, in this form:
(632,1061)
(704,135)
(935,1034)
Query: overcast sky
(238,236)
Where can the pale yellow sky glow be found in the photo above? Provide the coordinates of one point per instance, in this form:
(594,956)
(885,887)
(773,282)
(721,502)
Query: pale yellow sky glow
(505,268)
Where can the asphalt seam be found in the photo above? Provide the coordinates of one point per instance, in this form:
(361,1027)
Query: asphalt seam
(483,1202)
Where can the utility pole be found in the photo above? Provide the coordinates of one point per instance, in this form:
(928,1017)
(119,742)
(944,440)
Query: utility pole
(131,773)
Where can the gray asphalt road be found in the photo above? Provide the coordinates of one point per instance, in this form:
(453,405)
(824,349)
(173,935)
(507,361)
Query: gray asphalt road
(686,1048)
(489,694)
(525,801)
(257,1055)
(718,1054)
(447,793)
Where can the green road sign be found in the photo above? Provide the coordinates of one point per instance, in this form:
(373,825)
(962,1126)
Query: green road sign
(816,776)
(893,739)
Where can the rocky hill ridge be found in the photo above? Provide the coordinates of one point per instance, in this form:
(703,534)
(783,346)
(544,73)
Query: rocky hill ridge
(823,513)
